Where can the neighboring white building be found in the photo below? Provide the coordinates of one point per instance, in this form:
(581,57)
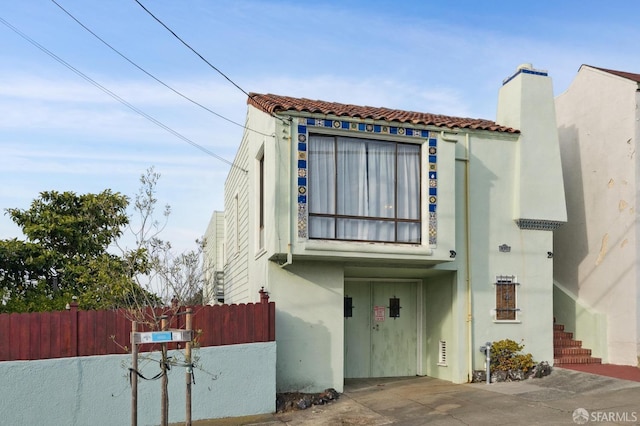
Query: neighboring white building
(396,243)
(213,260)
(597,293)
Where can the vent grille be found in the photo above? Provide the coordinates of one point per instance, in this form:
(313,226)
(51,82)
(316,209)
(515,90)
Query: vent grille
(442,353)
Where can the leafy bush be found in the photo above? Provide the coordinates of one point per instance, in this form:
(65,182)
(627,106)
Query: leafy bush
(505,356)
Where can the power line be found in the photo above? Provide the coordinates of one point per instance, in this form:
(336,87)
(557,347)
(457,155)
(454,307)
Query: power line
(116,97)
(191,48)
(151,75)
(202,57)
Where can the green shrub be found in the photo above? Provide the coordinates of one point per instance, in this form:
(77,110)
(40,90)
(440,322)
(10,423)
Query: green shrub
(505,356)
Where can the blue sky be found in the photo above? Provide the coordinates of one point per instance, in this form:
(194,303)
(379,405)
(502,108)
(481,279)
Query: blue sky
(59,132)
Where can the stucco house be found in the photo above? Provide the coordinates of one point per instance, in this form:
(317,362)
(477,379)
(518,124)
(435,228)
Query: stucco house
(396,243)
(597,288)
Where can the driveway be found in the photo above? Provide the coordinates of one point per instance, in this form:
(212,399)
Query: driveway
(553,400)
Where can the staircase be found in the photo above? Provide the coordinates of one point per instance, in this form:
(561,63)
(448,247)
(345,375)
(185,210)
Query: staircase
(567,350)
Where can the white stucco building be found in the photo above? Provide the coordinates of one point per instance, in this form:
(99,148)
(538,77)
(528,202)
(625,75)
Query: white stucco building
(396,243)
(597,294)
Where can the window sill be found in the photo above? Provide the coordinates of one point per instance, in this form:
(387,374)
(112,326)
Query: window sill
(507,321)
(261,252)
(364,247)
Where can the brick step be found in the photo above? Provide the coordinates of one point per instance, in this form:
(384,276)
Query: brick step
(567,350)
(562,334)
(568,359)
(570,351)
(567,343)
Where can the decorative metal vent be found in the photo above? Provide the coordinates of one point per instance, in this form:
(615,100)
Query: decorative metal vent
(394,307)
(538,225)
(442,353)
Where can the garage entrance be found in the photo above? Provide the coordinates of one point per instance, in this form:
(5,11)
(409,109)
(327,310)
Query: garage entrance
(381,333)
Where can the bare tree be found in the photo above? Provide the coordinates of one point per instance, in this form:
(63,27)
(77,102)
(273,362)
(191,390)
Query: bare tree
(171,280)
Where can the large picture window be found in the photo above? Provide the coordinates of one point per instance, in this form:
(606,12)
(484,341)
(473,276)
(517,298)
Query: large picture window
(364,190)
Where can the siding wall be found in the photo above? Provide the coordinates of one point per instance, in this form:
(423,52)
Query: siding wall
(237,227)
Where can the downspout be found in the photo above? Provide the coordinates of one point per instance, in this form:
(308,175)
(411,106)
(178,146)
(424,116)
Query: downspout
(289,260)
(467,219)
(467,195)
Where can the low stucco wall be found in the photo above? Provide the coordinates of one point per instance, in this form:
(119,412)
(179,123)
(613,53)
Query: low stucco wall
(234,380)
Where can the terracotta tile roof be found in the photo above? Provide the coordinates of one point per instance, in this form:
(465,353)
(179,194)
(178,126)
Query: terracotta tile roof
(630,76)
(275,103)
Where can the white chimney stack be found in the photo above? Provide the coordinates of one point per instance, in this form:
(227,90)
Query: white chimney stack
(526,103)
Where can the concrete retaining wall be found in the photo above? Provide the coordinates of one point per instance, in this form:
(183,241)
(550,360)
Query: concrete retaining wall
(234,380)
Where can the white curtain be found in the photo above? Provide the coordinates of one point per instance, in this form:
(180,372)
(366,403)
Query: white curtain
(322,179)
(353,188)
(408,187)
(367,186)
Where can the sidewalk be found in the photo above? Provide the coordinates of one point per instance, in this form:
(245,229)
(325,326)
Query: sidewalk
(552,400)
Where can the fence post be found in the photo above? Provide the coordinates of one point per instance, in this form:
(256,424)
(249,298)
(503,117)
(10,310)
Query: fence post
(73,309)
(264,295)
(266,321)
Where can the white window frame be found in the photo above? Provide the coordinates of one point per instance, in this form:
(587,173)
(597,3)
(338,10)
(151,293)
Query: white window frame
(365,218)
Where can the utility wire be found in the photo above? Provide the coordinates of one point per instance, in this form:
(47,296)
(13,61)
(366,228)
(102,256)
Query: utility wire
(151,75)
(116,97)
(202,57)
(191,48)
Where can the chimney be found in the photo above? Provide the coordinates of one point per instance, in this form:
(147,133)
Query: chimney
(526,103)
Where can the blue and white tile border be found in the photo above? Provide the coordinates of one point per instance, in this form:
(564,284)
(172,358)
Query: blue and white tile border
(361,127)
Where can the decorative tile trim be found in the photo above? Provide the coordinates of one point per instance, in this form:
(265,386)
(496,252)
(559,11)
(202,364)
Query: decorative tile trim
(363,129)
(538,224)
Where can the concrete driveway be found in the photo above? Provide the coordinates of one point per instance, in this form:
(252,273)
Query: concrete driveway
(566,397)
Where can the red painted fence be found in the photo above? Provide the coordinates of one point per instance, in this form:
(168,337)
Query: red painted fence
(43,335)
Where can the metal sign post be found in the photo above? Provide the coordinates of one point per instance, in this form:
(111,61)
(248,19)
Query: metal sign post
(188,375)
(163,337)
(133,375)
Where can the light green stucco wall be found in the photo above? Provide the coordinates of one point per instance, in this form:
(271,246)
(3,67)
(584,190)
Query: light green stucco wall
(309,325)
(438,322)
(230,381)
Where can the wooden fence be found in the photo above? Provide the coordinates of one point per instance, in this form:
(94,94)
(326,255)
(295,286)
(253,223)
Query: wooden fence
(70,333)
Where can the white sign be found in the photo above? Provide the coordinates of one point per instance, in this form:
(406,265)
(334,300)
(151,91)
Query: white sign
(162,336)
(378,312)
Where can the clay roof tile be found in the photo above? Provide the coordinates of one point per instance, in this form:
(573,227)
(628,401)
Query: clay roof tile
(275,103)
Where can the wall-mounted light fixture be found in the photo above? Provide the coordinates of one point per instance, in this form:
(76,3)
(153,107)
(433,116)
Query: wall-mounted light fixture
(348,307)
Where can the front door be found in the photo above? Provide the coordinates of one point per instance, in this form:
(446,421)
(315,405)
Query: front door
(381,341)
